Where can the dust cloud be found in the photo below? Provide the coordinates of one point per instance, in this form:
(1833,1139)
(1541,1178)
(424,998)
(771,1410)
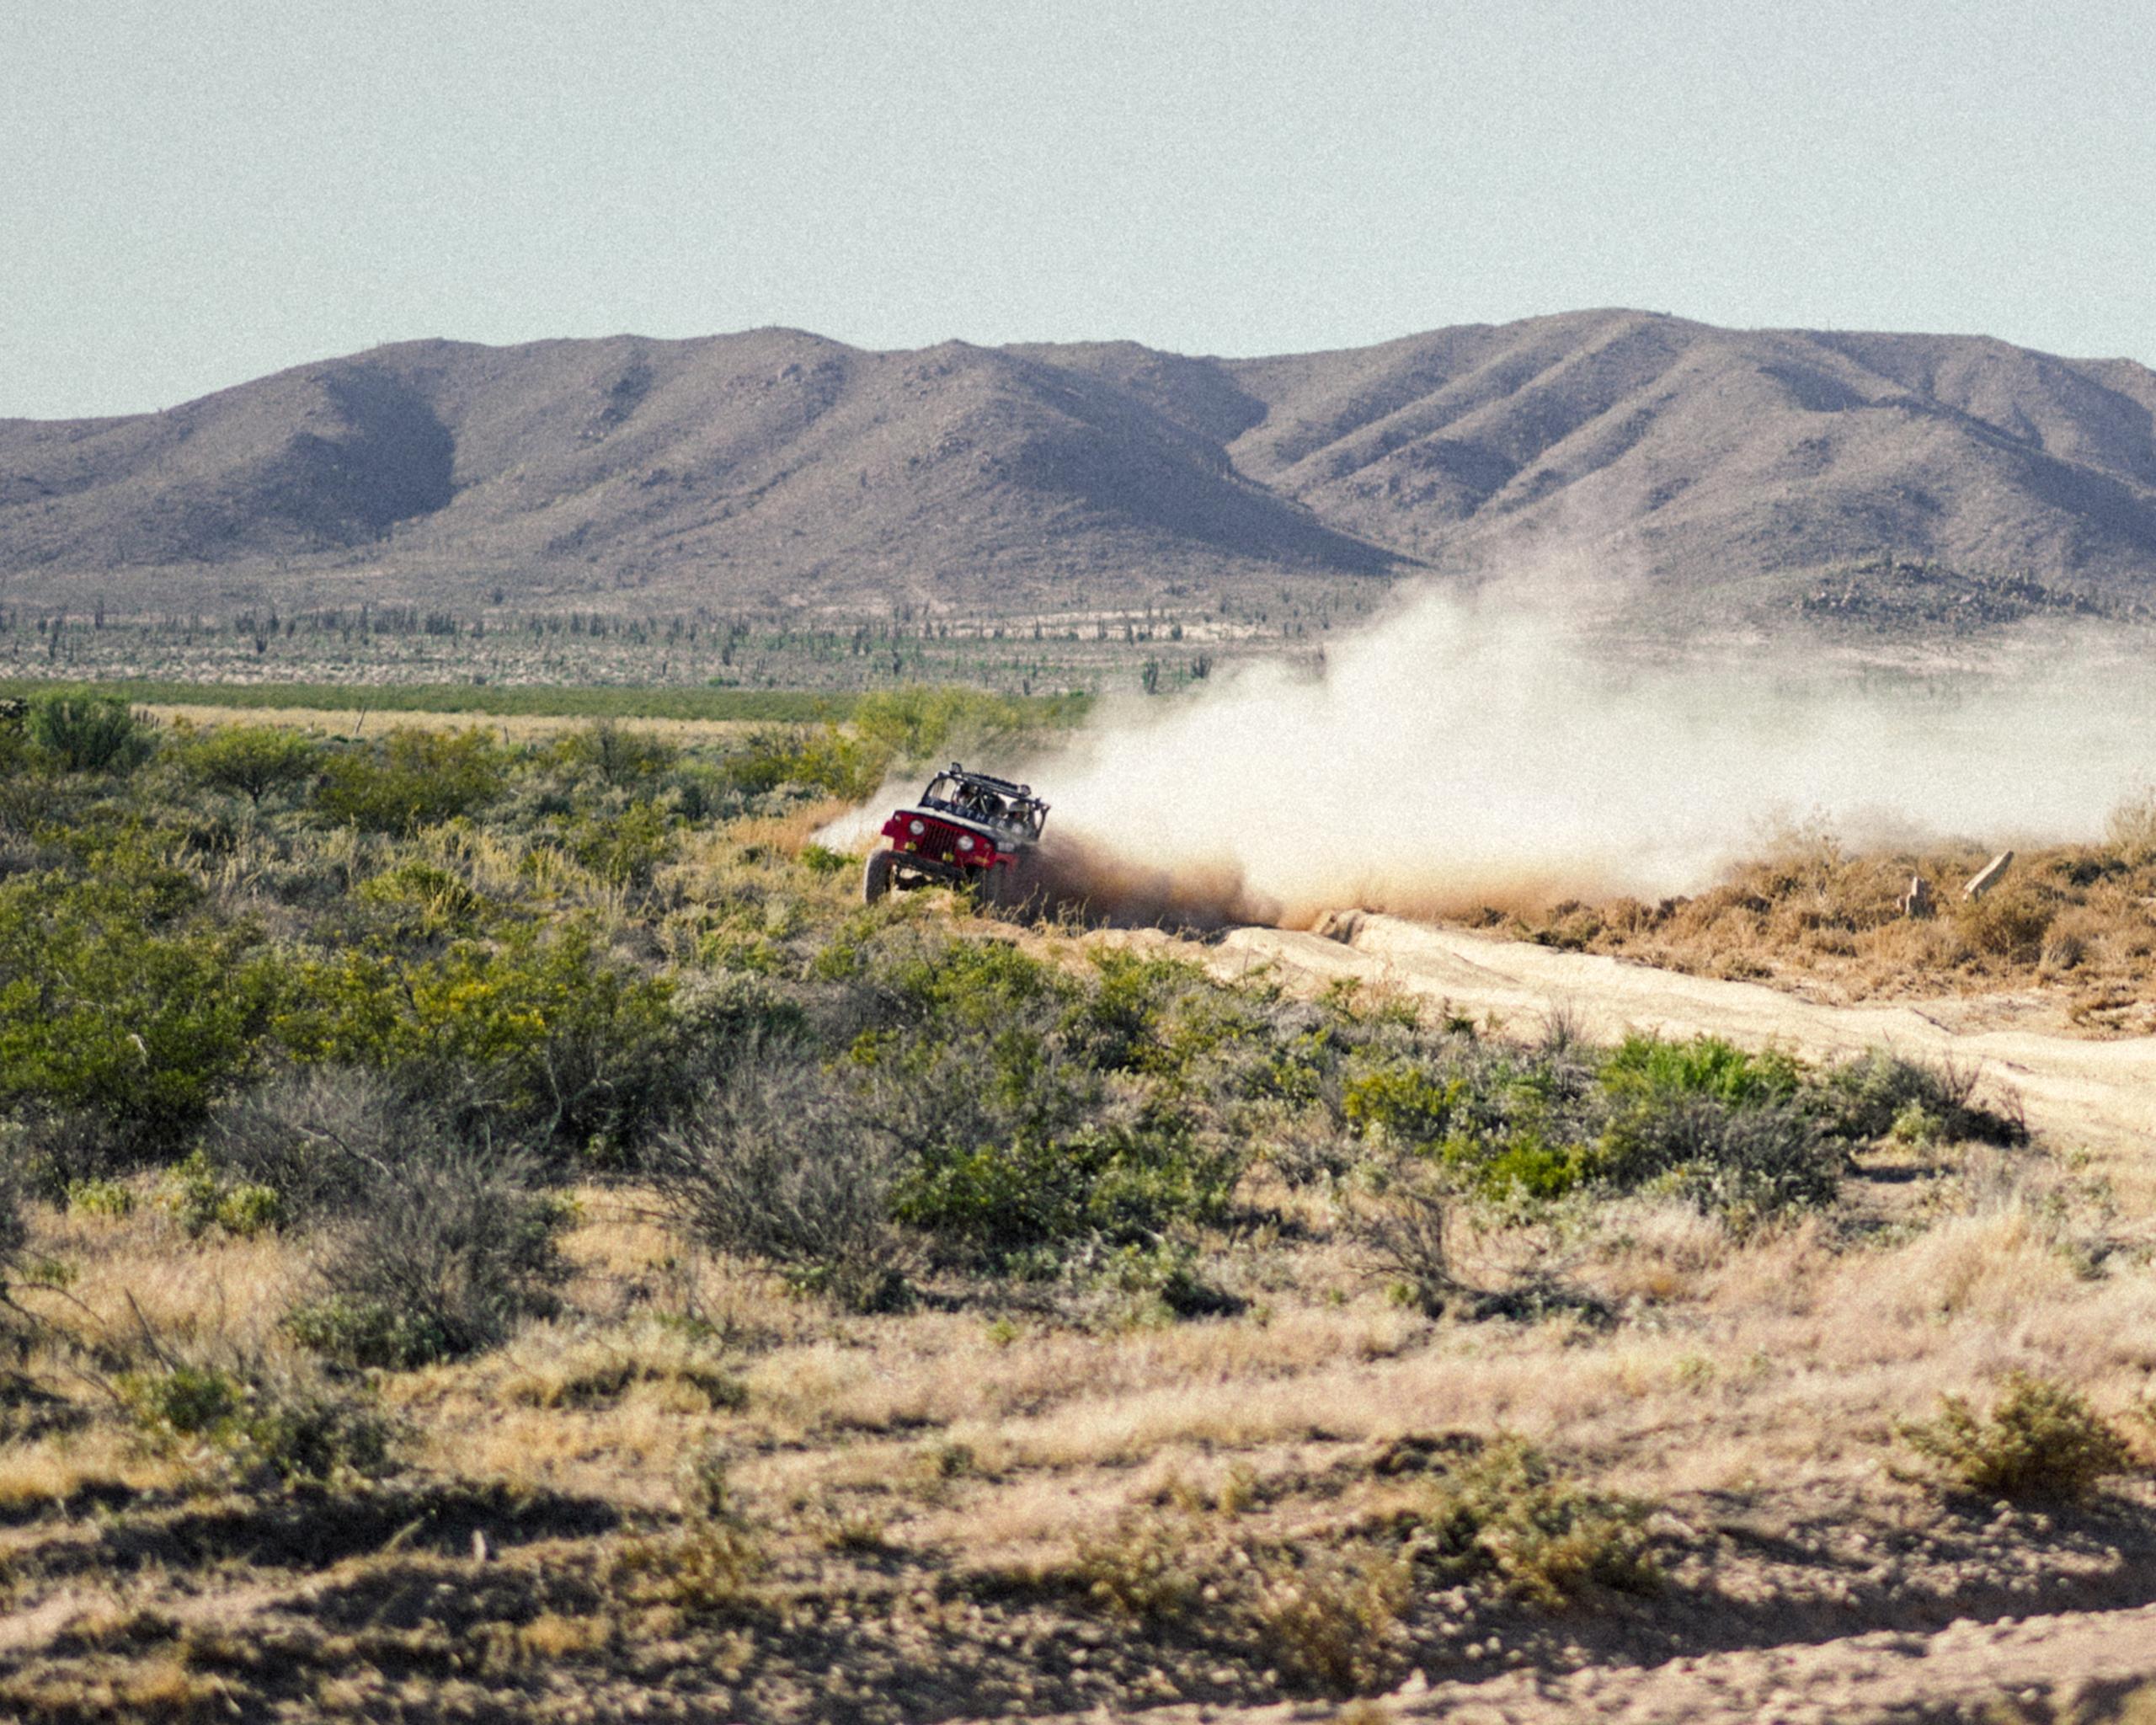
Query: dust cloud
(1467,753)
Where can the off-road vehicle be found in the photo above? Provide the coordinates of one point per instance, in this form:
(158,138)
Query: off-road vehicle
(967,829)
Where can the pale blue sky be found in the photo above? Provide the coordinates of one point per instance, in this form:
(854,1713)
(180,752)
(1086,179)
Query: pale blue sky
(193,195)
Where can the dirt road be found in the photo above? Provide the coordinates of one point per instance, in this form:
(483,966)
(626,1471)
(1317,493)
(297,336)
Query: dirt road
(2100,1094)
(2083,1667)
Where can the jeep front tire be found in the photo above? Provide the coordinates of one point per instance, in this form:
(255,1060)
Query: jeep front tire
(876,875)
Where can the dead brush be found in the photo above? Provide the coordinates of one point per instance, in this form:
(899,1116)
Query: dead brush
(1405,1239)
(1332,1618)
(1508,1516)
(1328,1617)
(1150,1567)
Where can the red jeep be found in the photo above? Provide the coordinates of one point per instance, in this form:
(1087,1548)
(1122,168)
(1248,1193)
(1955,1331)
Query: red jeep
(967,829)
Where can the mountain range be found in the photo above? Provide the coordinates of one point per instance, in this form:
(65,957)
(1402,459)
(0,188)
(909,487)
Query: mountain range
(1695,469)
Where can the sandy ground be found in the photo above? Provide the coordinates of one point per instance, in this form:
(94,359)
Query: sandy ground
(2080,1666)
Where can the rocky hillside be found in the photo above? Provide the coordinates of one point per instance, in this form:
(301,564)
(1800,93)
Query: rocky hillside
(1692,468)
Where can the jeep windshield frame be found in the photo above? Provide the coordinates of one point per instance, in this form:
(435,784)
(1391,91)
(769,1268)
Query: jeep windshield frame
(992,801)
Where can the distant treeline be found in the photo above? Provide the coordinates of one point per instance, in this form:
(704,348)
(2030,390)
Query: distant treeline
(758,706)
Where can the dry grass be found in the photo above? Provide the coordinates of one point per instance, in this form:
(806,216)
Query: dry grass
(2076,923)
(963,1440)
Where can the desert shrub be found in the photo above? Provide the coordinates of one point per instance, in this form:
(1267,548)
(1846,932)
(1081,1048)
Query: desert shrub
(825,759)
(1744,1161)
(783,1164)
(1869,1095)
(122,1010)
(2040,1439)
(1404,1237)
(247,760)
(617,754)
(539,1036)
(598,1372)
(2009,923)
(1147,1567)
(202,1199)
(1705,1066)
(1402,1102)
(710,1564)
(443,1257)
(414,778)
(15,1231)
(1523,1164)
(317,1138)
(1331,1619)
(88,733)
(297,1430)
(912,726)
(1013,1141)
(1118,1181)
(94,1197)
(1507,1513)
(415,902)
(624,847)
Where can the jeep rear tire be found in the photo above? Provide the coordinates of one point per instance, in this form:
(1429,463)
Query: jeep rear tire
(876,875)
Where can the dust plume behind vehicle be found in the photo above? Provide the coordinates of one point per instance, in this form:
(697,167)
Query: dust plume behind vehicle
(1470,752)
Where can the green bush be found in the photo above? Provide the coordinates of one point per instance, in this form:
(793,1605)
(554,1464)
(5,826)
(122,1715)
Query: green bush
(1746,1162)
(414,778)
(88,733)
(1402,1102)
(296,1431)
(917,726)
(540,1035)
(2040,1439)
(1705,1066)
(825,759)
(249,760)
(416,902)
(624,847)
(116,1009)
(202,1199)
(1870,1095)
(99,1197)
(1117,1182)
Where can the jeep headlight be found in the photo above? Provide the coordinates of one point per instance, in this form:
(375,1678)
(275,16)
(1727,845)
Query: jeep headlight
(965,841)
(915,828)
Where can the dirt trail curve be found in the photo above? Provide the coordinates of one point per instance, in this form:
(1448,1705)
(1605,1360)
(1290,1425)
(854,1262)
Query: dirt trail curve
(2100,1094)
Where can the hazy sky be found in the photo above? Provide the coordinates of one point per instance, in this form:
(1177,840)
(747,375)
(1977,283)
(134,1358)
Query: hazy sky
(193,195)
